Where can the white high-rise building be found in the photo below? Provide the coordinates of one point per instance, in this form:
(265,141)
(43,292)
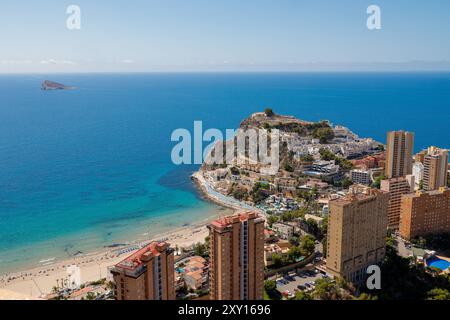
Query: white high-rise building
(417,172)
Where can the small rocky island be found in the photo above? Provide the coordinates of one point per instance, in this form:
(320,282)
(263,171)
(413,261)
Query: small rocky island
(51,85)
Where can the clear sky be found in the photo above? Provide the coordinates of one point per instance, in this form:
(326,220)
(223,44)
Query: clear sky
(224,35)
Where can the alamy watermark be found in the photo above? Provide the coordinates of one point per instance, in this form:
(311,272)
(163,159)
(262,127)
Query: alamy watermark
(240,146)
(73,22)
(374,19)
(373,282)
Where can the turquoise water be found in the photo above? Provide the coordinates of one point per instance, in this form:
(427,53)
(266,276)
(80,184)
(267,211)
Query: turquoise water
(91,167)
(438,263)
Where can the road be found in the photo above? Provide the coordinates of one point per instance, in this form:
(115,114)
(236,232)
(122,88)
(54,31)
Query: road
(225,200)
(292,284)
(402,248)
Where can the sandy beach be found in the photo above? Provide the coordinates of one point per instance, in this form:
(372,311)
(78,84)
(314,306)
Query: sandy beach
(39,281)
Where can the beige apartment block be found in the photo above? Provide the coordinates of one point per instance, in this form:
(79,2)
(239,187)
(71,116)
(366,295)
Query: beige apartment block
(425,213)
(399,153)
(147,274)
(397,187)
(356,237)
(435,169)
(237,257)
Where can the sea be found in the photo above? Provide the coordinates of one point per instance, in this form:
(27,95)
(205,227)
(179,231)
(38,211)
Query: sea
(88,168)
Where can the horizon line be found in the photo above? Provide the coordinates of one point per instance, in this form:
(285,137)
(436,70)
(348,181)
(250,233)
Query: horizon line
(227,71)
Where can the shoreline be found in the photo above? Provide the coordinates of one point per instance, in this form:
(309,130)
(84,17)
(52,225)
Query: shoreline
(38,281)
(218,198)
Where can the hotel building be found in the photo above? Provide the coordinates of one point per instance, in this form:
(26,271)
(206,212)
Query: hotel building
(435,169)
(359,176)
(397,187)
(237,257)
(420,157)
(425,213)
(356,235)
(399,153)
(147,274)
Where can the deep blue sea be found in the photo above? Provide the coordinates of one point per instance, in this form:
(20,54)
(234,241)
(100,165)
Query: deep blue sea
(86,168)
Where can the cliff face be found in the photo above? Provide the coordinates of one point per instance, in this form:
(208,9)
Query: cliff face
(262,124)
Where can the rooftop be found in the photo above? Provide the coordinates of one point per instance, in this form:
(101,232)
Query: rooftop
(224,222)
(356,194)
(153,249)
(442,190)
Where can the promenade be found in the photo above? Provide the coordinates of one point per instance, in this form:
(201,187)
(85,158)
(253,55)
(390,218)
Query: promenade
(221,199)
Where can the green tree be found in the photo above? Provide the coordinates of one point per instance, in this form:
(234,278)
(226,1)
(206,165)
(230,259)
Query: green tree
(270,285)
(270,290)
(344,163)
(421,242)
(313,227)
(324,134)
(301,295)
(288,167)
(90,296)
(405,280)
(240,194)
(294,253)
(324,226)
(277,260)
(307,244)
(346,183)
(325,290)
(200,249)
(271,220)
(324,246)
(287,216)
(235,171)
(438,294)
(307,158)
(299,213)
(308,196)
(259,192)
(326,154)
(269,112)
(366,296)
(294,241)
(377,183)
(110,285)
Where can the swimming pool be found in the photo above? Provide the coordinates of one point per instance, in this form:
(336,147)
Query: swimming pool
(438,263)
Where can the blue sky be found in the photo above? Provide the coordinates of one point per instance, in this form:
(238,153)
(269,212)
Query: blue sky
(223,35)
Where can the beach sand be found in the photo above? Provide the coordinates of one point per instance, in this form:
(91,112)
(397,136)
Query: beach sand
(39,281)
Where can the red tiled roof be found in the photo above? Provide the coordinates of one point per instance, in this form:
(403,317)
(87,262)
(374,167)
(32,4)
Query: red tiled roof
(135,260)
(226,221)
